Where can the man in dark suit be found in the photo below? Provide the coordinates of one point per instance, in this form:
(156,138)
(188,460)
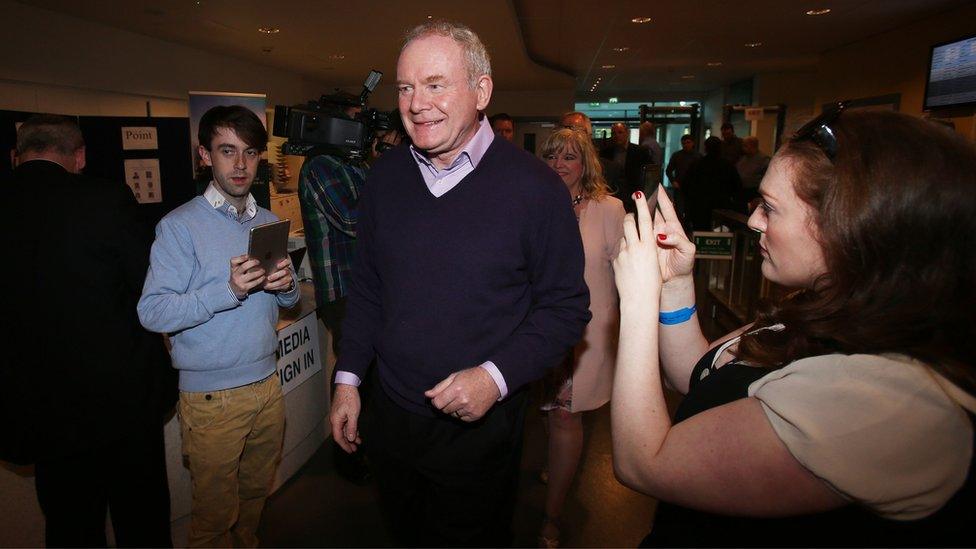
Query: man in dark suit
(623,163)
(84,388)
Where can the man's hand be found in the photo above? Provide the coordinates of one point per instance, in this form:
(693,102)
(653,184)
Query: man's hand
(245,275)
(344,417)
(280,280)
(466,395)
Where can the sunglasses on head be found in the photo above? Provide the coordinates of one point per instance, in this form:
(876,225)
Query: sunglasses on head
(819,132)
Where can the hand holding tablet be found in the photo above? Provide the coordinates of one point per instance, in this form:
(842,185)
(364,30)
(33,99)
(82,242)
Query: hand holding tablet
(266,264)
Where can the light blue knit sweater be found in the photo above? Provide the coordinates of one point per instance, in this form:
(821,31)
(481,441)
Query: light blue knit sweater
(218,341)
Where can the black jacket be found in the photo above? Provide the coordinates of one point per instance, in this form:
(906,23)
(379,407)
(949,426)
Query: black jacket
(79,370)
(712,183)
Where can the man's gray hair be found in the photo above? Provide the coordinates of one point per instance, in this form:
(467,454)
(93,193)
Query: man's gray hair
(475,55)
(49,132)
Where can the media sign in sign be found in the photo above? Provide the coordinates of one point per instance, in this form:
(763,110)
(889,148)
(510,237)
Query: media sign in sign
(298,352)
(711,245)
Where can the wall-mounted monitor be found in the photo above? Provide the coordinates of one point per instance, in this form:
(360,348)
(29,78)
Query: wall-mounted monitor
(951,79)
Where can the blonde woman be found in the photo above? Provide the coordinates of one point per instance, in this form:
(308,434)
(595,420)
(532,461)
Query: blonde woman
(584,381)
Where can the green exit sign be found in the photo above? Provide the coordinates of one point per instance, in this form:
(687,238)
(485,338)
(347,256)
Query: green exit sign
(612,100)
(711,245)
(594,104)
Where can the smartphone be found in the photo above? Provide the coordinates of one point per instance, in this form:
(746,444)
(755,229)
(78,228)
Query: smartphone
(268,243)
(651,184)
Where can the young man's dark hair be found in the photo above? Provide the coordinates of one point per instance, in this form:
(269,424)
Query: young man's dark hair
(242,120)
(728,126)
(687,137)
(49,132)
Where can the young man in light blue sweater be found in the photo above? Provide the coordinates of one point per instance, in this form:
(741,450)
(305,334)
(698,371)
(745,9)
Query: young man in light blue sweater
(220,309)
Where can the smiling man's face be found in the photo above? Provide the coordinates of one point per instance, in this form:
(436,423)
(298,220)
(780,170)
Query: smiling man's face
(437,102)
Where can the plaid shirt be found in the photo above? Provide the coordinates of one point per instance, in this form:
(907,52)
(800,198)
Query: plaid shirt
(329,190)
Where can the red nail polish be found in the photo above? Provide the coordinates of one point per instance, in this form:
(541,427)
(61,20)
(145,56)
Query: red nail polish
(638,194)
(662,236)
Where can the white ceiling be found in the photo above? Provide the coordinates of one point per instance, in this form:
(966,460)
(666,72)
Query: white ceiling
(535,44)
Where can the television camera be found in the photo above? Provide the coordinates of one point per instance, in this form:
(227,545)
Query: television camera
(320,127)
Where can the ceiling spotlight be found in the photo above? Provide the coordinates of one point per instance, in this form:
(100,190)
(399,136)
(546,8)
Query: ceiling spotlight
(687,76)
(608,66)
(430,17)
(337,56)
(714,63)
(269,30)
(621,49)
(822,11)
(752,44)
(267,49)
(641,20)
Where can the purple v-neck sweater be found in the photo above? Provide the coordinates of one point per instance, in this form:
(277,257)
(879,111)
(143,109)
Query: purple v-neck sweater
(491,270)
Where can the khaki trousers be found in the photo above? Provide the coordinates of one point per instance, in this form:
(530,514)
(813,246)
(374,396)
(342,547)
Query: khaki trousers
(232,444)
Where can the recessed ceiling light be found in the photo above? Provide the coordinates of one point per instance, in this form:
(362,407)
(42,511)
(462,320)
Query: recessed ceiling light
(267,49)
(621,49)
(822,11)
(337,56)
(269,30)
(752,44)
(687,76)
(714,63)
(430,17)
(641,20)
(608,67)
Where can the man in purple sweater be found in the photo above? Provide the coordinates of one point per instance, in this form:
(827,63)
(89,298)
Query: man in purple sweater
(467,285)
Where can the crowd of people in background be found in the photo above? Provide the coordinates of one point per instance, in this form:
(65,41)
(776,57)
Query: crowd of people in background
(726,176)
(454,270)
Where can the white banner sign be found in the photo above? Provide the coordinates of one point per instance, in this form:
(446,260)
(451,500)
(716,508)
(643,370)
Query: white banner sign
(298,352)
(139,139)
(142,176)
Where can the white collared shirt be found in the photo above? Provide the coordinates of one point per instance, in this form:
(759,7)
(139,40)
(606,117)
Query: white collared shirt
(217,200)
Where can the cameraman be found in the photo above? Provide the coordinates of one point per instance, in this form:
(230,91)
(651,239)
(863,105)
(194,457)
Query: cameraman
(328,189)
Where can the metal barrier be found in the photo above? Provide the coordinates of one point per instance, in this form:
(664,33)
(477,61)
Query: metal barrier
(732,288)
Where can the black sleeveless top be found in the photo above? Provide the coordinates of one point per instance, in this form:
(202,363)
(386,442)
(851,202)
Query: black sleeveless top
(851,525)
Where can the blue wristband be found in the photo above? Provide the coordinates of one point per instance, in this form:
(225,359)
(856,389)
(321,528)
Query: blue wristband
(676,317)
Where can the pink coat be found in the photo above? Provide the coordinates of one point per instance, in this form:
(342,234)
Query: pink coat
(601,227)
